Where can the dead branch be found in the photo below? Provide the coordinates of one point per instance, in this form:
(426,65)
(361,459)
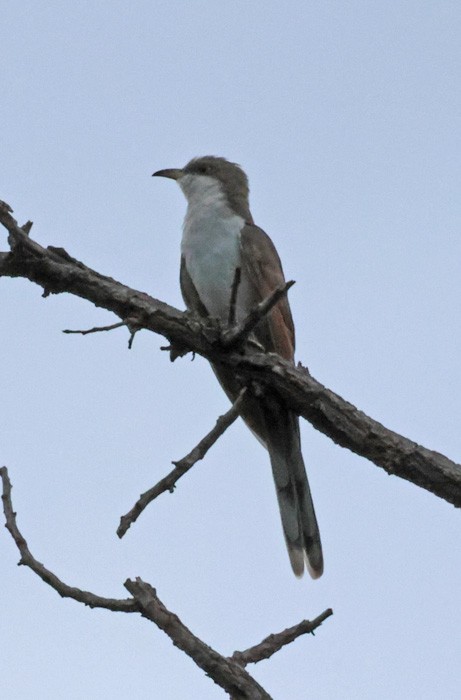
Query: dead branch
(27,559)
(182,466)
(233,299)
(328,412)
(225,672)
(235,336)
(96,329)
(131,324)
(274,642)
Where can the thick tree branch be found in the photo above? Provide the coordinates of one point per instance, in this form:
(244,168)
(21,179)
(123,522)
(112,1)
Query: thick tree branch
(182,466)
(274,642)
(56,271)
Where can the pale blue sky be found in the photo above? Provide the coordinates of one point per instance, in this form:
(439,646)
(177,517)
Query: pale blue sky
(346,117)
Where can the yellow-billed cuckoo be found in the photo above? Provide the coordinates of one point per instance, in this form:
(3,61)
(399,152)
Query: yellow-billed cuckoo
(219,236)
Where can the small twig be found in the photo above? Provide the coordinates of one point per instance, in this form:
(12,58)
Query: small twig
(182,466)
(224,671)
(65,591)
(133,332)
(96,329)
(239,333)
(274,642)
(176,351)
(132,326)
(233,299)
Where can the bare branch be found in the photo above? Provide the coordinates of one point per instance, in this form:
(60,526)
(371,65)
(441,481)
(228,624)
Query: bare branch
(328,412)
(238,334)
(5,209)
(65,591)
(274,642)
(225,672)
(176,351)
(131,338)
(96,329)
(234,292)
(182,466)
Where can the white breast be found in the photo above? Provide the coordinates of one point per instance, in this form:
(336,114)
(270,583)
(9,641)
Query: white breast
(210,243)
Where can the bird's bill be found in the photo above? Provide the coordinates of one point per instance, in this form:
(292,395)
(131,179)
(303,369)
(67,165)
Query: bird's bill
(172,173)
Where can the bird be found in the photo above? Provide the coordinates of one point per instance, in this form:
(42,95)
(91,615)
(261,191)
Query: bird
(219,237)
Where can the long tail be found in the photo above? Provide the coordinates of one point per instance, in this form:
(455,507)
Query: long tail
(299,522)
(278,430)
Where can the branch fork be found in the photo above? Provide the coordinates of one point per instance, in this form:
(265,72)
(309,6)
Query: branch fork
(228,673)
(325,410)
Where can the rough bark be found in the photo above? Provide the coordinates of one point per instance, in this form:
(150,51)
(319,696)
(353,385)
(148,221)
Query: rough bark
(56,271)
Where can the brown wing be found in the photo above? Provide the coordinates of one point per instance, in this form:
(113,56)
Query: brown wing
(262,266)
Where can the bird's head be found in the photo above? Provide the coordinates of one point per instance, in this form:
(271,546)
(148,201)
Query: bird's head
(201,176)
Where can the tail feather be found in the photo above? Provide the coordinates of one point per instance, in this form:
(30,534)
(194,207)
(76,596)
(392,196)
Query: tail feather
(297,512)
(278,430)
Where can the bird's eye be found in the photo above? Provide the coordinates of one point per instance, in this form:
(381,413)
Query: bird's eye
(202,169)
